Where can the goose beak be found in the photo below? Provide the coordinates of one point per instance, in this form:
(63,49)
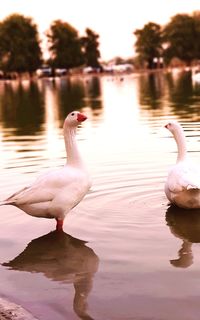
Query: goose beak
(81,117)
(166,126)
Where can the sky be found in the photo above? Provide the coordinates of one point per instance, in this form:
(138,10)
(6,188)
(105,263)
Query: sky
(114,20)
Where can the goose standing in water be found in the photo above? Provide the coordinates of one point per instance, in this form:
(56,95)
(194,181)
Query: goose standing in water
(182,187)
(55,193)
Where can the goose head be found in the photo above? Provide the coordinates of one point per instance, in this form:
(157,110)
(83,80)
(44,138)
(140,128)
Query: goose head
(174,127)
(177,131)
(74,118)
(71,123)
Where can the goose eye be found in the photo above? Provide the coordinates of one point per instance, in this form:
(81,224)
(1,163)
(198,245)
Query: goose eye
(72,114)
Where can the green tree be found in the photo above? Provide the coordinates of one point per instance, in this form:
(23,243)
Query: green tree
(180,37)
(149,43)
(65,45)
(196,17)
(19,45)
(90,45)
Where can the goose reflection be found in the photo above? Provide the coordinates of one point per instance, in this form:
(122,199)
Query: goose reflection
(184,224)
(60,257)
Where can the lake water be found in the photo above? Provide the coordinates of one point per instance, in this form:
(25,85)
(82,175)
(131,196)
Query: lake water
(124,253)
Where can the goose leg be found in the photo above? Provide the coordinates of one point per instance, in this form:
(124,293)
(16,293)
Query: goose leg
(59,225)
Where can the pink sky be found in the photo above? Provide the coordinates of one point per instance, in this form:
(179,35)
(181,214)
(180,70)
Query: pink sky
(114,20)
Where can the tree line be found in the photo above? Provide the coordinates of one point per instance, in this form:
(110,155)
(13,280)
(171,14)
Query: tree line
(20,45)
(180,38)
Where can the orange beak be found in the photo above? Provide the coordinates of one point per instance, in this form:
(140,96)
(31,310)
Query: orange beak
(81,117)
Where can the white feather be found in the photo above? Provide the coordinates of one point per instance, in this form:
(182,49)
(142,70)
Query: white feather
(183,182)
(54,194)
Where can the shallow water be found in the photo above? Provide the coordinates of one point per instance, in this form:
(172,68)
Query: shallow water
(124,253)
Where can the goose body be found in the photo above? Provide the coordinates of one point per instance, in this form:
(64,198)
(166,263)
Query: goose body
(54,194)
(183,182)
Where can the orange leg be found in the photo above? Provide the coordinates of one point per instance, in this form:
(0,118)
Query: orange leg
(59,225)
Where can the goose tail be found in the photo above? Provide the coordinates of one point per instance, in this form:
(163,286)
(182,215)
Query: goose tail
(194,187)
(5,202)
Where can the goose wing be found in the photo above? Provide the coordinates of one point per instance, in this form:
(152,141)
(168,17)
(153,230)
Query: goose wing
(183,176)
(43,189)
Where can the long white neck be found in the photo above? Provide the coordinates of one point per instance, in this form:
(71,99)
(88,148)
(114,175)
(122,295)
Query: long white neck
(181,145)
(73,155)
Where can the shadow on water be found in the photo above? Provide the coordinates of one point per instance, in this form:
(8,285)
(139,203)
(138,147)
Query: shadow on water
(60,257)
(184,224)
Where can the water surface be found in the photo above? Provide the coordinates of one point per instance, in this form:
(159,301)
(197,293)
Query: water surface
(124,253)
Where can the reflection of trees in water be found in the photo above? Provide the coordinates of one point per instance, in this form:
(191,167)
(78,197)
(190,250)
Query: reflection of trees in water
(151,90)
(93,95)
(70,95)
(184,97)
(93,88)
(176,92)
(180,89)
(79,93)
(184,224)
(76,93)
(62,258)
(22,107)
(23,104)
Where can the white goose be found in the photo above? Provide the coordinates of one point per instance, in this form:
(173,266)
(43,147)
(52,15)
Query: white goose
(54,194)
(183,183)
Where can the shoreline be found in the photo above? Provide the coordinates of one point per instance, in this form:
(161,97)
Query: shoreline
(25,77)
(12,311)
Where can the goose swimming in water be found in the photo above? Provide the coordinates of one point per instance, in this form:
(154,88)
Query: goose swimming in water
(183,183)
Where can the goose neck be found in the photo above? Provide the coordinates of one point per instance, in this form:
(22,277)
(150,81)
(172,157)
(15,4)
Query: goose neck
(73,155)
(181,145)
